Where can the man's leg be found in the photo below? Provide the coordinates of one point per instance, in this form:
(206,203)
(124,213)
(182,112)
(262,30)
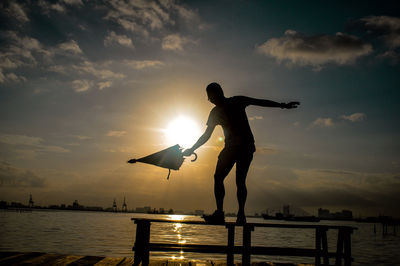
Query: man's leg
(225,163)
(242,167)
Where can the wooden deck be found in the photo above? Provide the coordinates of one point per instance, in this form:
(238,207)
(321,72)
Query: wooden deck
(37,258)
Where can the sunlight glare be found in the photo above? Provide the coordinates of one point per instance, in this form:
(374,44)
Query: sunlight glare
(183,131)
(176,217)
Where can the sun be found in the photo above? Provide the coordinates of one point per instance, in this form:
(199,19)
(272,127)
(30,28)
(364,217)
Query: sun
(183,131)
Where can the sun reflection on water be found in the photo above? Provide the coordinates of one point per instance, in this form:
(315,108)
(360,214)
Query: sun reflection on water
(177,228)
(176,217)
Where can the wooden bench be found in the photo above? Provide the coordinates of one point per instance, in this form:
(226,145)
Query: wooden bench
(142,245)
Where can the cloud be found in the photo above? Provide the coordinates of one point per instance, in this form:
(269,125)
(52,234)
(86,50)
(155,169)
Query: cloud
(11,176)
(71,47)
(10,77)
(20,140)
(19,51)
(82,85)
(47,7)
(104,84)
(356,117)
(116,133)
(35,143)
(96,70)
(385,26)
(317,50)
(323,122)
(144,64)
(15,11)
(112,38)
(73,2)
(145,17)
(58,69)
(80,137)
(174,42)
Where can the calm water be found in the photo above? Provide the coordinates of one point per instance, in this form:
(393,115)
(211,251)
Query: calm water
(112,234)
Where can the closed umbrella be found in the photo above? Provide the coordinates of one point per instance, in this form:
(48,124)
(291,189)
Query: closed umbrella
(170,158)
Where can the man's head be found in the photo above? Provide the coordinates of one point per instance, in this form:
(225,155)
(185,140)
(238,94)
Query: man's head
(215,93)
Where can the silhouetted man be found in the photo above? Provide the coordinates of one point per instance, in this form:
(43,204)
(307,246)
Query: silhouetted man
(239,145)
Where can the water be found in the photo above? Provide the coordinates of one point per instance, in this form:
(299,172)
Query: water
(113,234)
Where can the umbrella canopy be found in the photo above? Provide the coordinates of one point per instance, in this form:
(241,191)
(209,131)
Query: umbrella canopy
(170,158)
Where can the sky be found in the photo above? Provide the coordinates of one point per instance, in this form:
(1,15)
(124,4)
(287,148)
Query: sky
(87,85)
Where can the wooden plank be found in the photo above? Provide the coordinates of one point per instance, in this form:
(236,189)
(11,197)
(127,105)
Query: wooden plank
(66,259)
(8,254)
(207,263)
(179,263)
(251,224)
(19,258)
(11,256)
(127,262)
(109,261)
(87,260)
(158,262)
(45,259)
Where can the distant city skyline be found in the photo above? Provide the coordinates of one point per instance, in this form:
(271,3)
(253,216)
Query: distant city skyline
(320,212)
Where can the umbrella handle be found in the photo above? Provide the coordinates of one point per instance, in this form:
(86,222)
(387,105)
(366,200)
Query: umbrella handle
(195,157)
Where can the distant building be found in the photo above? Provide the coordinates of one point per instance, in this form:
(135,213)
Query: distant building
(30,201)
(146,209)
(114,206)
(76,205)
(286,211)
(124,206)
(343,215)
(323,213)
(347,214)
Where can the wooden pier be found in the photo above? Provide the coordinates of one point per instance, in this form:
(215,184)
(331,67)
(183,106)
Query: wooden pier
(142,246)
(37,258)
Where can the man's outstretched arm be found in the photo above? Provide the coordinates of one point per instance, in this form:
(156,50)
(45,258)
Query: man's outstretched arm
(268,103)
(203,139)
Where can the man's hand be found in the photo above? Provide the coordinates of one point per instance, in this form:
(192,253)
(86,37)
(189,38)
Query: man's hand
(187,152)
(290,105)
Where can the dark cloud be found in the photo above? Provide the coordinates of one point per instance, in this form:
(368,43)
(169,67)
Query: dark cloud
(146,17)
(387,28)
(14,10)
(316,50)
(63,53)
(382,30)
(11,176)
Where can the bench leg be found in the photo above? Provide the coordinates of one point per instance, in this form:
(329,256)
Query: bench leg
(142,243)
(231,245)
(318,247)
(339,248)
(347,248)
(325,247)
(246,244)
